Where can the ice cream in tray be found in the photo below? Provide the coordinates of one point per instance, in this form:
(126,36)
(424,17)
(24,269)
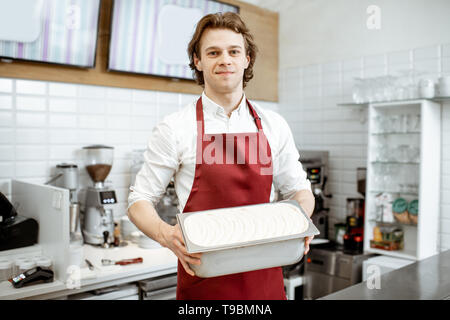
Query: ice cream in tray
(246,238)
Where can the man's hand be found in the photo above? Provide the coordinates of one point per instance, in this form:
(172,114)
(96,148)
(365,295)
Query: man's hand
(173,240)
(307,242)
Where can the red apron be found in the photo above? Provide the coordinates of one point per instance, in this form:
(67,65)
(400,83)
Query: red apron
(236,177)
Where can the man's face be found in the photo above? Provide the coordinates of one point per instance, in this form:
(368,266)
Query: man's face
(223,59)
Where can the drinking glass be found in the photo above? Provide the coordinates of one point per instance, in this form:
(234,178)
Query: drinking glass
(384,123)
(404,122)
(378,89)
(389,182)
(407,122)
(402,153)
(394,123)
(413,88)
(413,154)
(389,88)
(416,157)
(358,91)
(384,153)
(414,125)
(369,89)
(377,123)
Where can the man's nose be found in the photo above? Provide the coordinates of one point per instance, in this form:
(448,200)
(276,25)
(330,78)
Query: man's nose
(225,58)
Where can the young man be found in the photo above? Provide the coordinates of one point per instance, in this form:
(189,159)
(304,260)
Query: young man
(222,54)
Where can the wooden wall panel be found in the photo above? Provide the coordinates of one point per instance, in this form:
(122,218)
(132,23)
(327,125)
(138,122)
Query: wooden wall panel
(264,86)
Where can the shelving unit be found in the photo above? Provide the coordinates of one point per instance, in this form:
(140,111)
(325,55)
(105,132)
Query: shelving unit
(366,104)
(416,176)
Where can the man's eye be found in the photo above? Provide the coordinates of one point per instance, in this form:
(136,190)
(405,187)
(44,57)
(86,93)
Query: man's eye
(234,51)
(212,53)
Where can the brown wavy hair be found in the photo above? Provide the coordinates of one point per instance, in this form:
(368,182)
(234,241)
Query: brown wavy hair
(227,20)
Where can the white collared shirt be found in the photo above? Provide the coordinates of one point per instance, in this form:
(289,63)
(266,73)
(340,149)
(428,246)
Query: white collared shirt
(171,151)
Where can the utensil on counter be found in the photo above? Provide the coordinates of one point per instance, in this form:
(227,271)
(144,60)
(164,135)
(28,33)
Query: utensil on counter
(108,262)
(90,265)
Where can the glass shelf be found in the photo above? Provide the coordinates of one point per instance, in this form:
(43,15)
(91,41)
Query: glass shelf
(397,192)
(393,132)
(392,223)
(394,162)
(365,104)
(405,254)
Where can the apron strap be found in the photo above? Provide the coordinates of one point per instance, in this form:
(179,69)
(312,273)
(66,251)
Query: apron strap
(255,116)
(200,121)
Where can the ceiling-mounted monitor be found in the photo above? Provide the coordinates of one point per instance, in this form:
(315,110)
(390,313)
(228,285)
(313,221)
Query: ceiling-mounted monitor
(151,36)
(51,31)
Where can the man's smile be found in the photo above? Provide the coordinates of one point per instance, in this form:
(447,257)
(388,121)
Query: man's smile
(224,72)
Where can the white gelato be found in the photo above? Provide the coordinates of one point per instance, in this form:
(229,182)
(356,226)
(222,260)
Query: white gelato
(236,225)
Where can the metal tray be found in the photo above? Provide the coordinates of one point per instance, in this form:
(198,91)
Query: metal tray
(249,255)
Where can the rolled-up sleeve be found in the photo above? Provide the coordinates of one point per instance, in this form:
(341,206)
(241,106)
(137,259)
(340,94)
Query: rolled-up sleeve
(160,164)
(289,176)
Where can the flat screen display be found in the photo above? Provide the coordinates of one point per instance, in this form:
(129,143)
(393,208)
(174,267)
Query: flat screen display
(108,197)
(51,31)
(151,36)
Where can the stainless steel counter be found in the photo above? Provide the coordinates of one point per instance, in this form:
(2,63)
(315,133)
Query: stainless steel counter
(428,279)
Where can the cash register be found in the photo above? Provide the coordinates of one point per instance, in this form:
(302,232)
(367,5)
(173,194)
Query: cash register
(15,231)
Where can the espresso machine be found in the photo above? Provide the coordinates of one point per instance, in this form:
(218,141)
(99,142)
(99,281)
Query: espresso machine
(97,205)
(354,235)
(315,163)
(167,207)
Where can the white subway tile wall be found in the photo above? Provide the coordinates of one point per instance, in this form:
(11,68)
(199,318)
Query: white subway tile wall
(309,97)
(46,123)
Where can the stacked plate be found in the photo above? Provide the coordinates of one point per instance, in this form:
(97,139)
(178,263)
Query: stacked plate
(147,243)
(127,228)
(143,241)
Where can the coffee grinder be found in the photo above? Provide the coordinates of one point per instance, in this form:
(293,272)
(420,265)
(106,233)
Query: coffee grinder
(97,207)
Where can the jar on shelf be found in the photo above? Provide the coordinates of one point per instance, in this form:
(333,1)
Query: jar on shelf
(6,269)
(400,210)
(383,204)
(413,211)
(377,235)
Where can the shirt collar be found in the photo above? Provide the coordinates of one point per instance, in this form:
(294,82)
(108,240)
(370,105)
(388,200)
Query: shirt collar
(211,107)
